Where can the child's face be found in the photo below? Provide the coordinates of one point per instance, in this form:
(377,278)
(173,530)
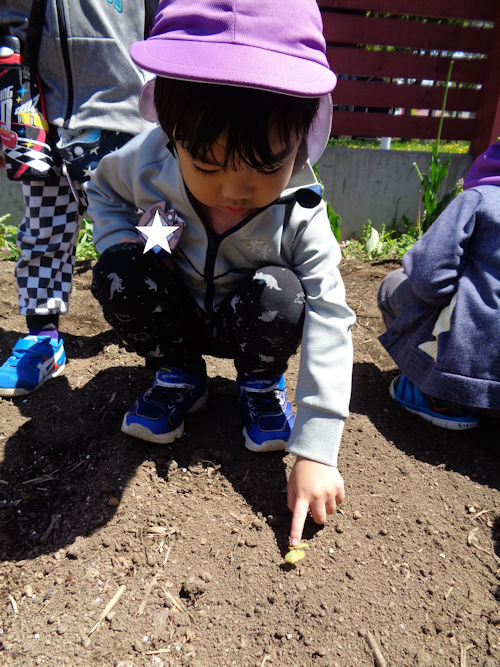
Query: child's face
(237,190)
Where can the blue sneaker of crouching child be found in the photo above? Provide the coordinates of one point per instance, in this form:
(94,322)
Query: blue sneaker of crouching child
(158,415)
(34,360)
(267,413)
(439,413)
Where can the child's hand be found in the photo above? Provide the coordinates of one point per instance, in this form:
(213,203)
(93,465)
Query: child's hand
(312,486)
(166,260)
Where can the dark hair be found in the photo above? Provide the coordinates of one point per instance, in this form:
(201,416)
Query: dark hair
(196,114)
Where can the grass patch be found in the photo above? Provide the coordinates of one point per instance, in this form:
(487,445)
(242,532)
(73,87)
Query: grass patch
(9,250)
(461,147)
(388,244)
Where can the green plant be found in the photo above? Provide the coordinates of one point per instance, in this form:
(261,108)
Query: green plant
(430,183)
(295,553)
(85,248)
(8,233)
(429,187)
(9,251)
(384,245)
(334,218)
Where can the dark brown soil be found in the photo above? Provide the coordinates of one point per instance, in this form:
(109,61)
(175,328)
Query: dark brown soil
(193,535)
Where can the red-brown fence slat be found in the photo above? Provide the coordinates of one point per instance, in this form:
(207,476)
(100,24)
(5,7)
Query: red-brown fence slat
(395,73)
(360,62)
(405,34)
(408,127)
(460,9)
(487,127)
(409,96)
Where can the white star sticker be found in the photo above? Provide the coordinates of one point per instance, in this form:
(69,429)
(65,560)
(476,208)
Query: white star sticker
(157,233)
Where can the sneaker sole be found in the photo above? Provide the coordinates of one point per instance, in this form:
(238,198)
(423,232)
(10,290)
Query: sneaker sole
(22,391)
(266,446)
(445,423)
(143,433)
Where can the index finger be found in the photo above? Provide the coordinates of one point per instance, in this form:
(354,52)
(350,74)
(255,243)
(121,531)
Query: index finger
(298,519)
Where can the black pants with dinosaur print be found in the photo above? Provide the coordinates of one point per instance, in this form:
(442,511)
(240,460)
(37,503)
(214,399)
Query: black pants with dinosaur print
(259,325)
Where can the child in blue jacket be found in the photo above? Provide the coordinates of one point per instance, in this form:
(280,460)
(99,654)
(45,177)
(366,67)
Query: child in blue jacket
(442,310)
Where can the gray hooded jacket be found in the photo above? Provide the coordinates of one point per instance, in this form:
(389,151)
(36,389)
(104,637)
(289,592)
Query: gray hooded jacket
(88,77)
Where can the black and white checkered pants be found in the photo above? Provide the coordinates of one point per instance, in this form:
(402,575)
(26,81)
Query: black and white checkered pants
(47,238)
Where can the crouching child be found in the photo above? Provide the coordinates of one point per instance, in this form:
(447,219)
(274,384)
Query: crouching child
(234,255)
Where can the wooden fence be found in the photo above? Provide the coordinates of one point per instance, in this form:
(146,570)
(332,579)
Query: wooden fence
(395,86)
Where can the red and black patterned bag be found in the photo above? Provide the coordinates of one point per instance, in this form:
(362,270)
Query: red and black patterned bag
(23,125)
(24,130)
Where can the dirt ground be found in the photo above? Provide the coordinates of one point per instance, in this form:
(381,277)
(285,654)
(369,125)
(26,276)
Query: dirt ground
(117,552)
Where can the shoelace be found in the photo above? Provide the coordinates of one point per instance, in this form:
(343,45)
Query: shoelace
(265,402)
(170,396)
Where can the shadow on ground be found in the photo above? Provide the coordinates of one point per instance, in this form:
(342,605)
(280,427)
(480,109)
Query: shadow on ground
(69,458)
(77,347)
(471,453)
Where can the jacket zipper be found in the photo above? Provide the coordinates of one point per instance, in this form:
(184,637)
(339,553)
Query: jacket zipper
(63,36)
(212,248)
(213,244)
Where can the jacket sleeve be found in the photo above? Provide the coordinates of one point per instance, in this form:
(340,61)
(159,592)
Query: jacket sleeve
(436,261)
(122,184)
(325,372)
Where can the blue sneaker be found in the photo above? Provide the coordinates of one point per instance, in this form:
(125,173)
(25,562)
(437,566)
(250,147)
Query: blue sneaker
(434,411)
(34,360)
(267,414)
(158,415)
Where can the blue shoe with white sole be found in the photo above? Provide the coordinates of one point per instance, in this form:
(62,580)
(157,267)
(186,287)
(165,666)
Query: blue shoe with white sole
(34,360)
(267,413)
(436,412)
(158,415)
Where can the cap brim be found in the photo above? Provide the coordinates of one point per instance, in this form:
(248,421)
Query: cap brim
(234,64)
(317,139)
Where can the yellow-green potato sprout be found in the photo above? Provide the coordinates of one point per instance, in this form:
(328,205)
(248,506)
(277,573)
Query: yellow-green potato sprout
(295,553)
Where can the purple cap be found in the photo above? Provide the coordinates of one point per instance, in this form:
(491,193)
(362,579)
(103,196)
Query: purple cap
(275,45)
(485,169)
